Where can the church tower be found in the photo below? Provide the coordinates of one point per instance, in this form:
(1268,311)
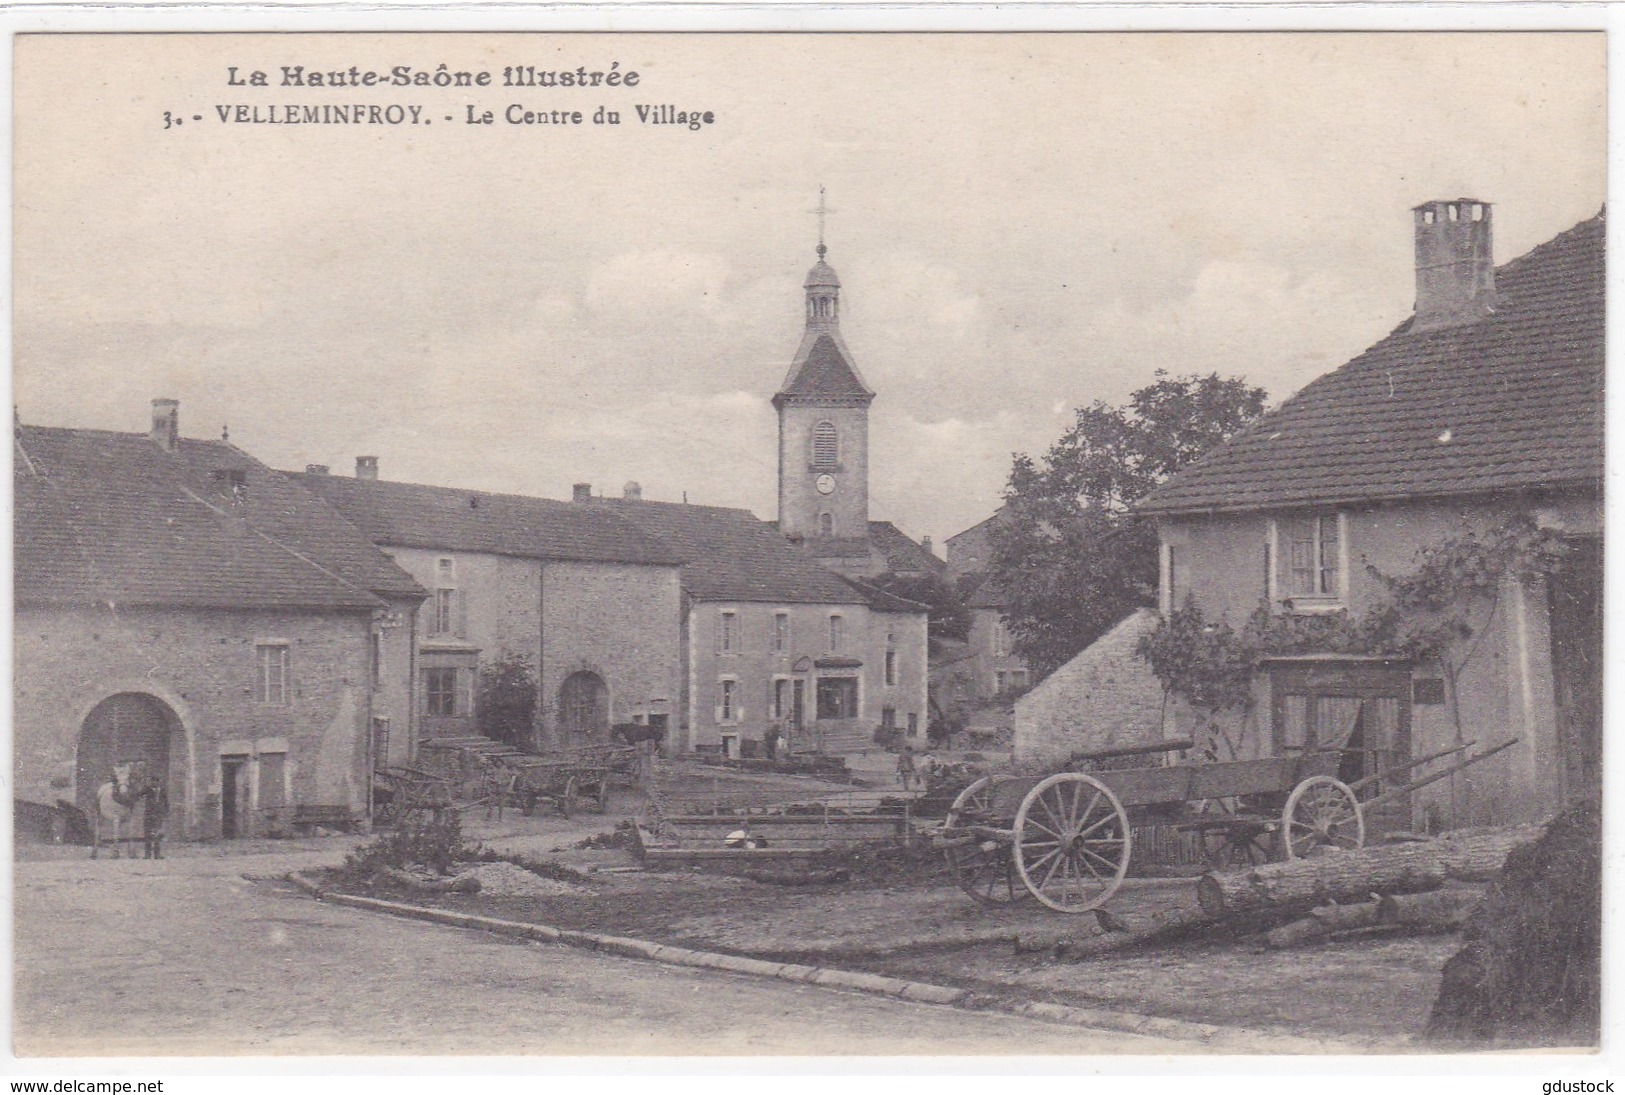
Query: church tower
(823,408)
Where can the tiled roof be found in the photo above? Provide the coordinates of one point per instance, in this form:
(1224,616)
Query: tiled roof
(902,553)
(111,517)
(882,600)
(1512,402)
(731,554)
(823,370)
(451,519)
(982,590)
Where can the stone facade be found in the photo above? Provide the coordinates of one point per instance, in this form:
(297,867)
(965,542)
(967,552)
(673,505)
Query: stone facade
(201,667)
(1504,688)
(744,668)
(618,622)
(1104,698)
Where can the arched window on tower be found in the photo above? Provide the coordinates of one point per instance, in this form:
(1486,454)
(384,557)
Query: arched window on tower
(826,450)
(826,524)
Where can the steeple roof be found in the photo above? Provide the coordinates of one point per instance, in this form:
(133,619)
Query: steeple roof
(823,369)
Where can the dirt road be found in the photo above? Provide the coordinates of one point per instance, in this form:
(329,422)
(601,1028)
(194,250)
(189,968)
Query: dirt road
(200,955)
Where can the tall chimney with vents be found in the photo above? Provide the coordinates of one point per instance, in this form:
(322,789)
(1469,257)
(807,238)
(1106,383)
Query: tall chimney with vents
(633,491)
(366,467)
(581,492)
(1455,263)
(166,423)
(316,469)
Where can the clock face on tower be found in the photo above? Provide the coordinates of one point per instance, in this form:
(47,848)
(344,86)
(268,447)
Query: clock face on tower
(825,483)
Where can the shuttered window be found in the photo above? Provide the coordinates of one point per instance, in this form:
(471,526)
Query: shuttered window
(826,448)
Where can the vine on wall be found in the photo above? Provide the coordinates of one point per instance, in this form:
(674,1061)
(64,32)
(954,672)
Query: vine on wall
(1422,616)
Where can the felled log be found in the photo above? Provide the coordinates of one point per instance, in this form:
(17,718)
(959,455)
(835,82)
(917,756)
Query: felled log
(1123,932)
(1321,922)
(463,883)
(1350,876)
(1440,910)
(799,878)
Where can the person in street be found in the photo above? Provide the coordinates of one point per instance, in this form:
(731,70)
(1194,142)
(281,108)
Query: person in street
(905,767)
(770,741)
(153,817)
(928,768)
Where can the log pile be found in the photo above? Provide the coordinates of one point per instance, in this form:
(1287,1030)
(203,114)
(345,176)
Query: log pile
(1411,888)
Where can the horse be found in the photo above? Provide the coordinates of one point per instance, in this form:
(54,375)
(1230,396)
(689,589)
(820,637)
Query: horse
(115,804)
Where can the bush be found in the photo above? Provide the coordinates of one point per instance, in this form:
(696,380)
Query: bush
(434,844)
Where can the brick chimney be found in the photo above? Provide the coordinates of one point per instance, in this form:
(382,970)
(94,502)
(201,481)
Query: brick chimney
(316,469)
(581,492)
(633,491)
(925,542)
(366,467)
(166,423)
(1455,263)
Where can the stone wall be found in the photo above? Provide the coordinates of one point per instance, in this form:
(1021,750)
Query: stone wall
(202,666)
(1104,698)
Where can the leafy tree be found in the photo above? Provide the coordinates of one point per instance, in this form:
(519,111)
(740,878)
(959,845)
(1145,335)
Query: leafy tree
(1073,557)
(507,701)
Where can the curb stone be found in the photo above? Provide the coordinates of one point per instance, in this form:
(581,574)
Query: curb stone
(1237,1039)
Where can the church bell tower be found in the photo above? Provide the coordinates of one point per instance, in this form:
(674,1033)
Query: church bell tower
(823,408)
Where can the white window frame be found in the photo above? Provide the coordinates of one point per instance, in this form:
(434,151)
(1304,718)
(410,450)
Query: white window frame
(781,632)
(272,691)
(1280,556)
(1001,637)
(837,632)
(728,631)
(729,711)
(891,668)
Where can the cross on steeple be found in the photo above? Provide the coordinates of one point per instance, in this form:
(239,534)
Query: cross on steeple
(822,211)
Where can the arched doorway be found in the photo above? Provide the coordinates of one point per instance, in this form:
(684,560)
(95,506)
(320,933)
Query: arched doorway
(130,726)
(583,709)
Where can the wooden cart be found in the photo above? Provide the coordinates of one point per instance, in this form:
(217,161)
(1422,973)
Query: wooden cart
(404,794)
(1066,839)
(567,782)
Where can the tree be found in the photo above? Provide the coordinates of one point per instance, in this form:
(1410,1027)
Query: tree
(1073,556)
(949,618)
(507,701)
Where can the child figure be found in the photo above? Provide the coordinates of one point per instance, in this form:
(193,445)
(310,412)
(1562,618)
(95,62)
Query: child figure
(152,820)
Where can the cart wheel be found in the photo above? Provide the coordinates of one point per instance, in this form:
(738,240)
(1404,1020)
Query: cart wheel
(601,804)
(1241,843)
(567,800)
(983,869)
(1071,842)
(1321,812)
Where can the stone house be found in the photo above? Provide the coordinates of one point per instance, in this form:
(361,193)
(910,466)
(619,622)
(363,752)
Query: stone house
(993,668)
(181,604)
(586,600)
(1484,407)
(772,638)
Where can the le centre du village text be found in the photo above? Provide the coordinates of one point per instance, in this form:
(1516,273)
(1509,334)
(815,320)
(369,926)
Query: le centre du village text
(664,114)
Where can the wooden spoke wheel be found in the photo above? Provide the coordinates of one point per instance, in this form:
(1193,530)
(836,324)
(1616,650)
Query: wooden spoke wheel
(1071,842)
(600,802)
(567,798)
(1321,812)
(1234,836)
(982,868)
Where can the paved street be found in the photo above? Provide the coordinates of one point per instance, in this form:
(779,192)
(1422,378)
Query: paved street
(206,954)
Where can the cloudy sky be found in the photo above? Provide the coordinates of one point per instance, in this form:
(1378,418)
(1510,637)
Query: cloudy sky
(1022,224)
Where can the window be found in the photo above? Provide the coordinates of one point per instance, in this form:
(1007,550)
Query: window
(274,663)
(727,700)
(1001,638)
(837,697)
(826,448)
(781,698)
(376,657)
(445,605)
(444,621)
(781,633)
(837,634)
(440,692)
(891,669)
(1313,552)
(888,718)
(913,724)
(728,633)
(826,524)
